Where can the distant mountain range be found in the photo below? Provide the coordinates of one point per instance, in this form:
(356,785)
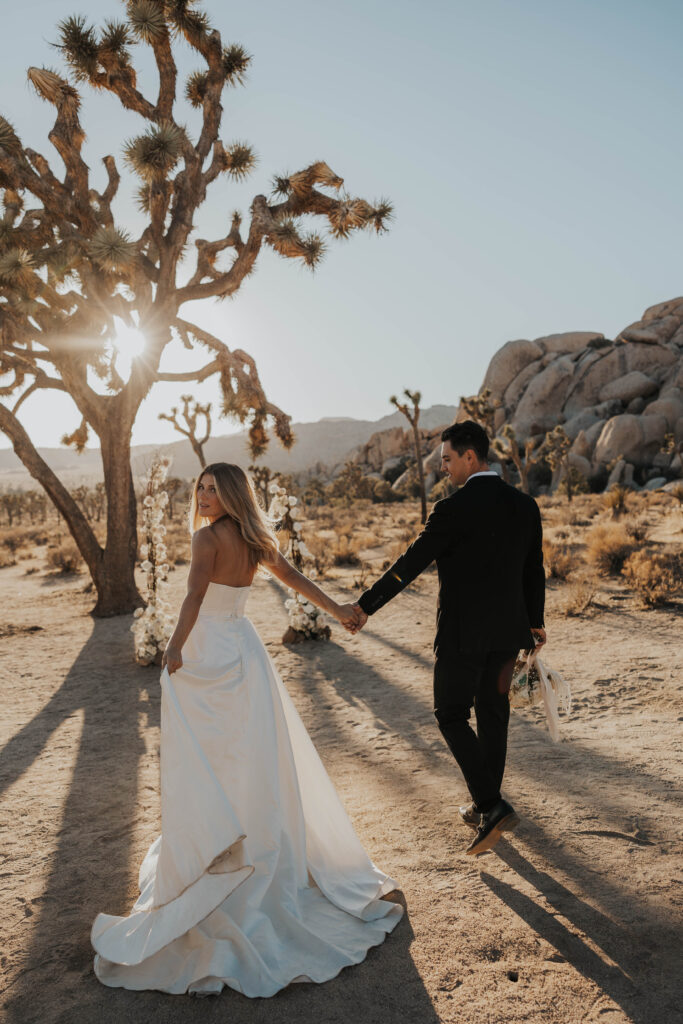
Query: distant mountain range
(324,442)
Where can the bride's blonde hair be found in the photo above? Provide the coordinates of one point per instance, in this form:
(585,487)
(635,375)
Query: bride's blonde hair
(237,496)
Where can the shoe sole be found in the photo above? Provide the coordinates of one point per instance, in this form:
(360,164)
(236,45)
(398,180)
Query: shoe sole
(505,824)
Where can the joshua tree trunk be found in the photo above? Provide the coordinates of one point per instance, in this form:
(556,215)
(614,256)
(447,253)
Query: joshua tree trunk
(417,442)
(413,416)
(115,580)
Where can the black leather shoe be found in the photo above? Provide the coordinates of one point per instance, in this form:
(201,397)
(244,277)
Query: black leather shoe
(469,816)
(501,818)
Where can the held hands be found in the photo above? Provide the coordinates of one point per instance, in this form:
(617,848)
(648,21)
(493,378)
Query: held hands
(352,617)
(172,659)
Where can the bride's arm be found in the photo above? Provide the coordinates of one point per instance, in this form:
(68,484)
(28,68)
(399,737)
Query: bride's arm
(285,571)
(201,571)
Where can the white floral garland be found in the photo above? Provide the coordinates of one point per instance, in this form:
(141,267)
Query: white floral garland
(304,617)
(154,624)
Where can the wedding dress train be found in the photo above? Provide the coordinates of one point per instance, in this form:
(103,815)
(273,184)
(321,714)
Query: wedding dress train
(258,878)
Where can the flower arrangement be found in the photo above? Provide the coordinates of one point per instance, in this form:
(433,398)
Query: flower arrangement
(304,617)
(153,624)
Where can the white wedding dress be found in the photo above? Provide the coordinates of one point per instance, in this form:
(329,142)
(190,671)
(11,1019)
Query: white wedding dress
(258,878)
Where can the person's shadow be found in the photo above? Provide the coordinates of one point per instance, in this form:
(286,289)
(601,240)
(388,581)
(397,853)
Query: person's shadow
(102,837)
(623,964)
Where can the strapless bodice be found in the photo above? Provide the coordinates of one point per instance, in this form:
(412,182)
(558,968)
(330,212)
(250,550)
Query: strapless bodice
(224,601)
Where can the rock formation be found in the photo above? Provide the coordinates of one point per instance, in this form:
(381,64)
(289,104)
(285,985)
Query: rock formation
(617,400)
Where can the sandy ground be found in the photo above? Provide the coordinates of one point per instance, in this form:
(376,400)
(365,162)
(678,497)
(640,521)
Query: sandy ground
(575,918)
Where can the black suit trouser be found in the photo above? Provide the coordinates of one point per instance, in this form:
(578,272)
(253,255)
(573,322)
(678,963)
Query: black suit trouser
(463,680)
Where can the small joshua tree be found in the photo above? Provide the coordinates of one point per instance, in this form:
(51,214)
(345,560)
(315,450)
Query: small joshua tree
(154,624)
(412,414)
(507,447)
(482,409)
(555,451)
(304,617)
(190,412)
(262,477)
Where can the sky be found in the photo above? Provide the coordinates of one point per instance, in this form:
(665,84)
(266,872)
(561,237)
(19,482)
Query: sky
(532,152)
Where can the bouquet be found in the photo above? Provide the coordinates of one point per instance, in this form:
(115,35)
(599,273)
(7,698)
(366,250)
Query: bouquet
(533,682)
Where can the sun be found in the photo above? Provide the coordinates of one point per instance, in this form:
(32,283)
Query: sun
(129,342)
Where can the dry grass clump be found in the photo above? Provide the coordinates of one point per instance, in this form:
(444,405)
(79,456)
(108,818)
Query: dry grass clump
(608,546)
(6,558)
(637,529)
(578,599)
(656,578)
(65,558)
(614,501)
(320,549)
(558,559)
(344,550)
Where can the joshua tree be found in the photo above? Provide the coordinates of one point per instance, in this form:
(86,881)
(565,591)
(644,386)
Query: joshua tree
(413,416)
(262,477)
(71,277)
(190,412)
(482,410)
(507,447)
(555,451)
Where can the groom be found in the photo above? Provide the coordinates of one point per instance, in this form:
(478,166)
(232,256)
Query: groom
(486,539)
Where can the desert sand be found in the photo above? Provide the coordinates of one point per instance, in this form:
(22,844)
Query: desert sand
(575,917)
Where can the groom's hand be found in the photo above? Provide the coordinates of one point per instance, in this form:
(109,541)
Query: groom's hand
(348,617)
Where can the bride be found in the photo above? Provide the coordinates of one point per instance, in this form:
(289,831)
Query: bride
(258,878)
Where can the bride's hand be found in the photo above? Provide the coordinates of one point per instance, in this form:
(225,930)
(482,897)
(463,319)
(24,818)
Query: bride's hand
(172,659)
(349,617)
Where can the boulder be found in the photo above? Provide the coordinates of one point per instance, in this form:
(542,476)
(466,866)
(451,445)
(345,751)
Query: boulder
(543,398)
(581,464)
(636,405)
(391,463)
(516,389)
(581,445)
(633,385)
(616,474)
(655,483)
(570,341)
(581,421)
(614,364)
(670,407)
(636,438)
(651,332)
(507,363)
(593,433)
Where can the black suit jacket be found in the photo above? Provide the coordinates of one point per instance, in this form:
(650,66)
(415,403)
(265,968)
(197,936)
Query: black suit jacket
(487,542)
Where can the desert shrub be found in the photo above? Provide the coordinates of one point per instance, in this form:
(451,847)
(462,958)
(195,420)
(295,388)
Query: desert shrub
(64,557)
(13,540)
(441,489)
(608,547)
(637,529)
(558,559)
(344,550)
(320,549)
(579,484)
(6,558)
(383,492)
(578,599)
(677,492)
(656,578)
(614,501)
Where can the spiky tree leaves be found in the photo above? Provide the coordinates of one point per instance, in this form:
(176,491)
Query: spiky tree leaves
(78,45)
(235,62)
(9,140)
(147,20)
(154,154)
(112,249)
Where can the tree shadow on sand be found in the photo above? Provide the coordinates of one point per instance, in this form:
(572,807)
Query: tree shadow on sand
(90,868)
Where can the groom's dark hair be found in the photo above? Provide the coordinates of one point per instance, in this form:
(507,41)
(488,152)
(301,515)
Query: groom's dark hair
(467,435)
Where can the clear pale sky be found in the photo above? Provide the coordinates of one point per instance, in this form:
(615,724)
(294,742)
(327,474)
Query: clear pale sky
(532,150)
